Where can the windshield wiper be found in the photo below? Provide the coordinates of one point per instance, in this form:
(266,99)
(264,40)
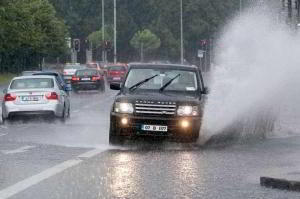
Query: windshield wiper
(168,83)
(137,85)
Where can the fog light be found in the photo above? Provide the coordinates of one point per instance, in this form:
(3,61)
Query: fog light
(185,124)
(124,121)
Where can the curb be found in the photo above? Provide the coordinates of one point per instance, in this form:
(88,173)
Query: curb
(282,184)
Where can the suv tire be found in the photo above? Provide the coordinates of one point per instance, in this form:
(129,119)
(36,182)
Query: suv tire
(114,138)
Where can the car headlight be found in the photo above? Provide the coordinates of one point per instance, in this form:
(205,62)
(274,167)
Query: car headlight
(123,107)
(187,111)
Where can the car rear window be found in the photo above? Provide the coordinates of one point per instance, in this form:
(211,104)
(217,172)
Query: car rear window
(92,65)
(116,68)
(32,83)
(74,67)
(86,72)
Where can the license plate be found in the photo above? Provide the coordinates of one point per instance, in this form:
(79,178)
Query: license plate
(154,128)
(85,79)
(117,78)
(30,98)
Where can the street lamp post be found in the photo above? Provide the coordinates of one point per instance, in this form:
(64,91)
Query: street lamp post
(115,32)
(181,33)
(240,7)
(103,29)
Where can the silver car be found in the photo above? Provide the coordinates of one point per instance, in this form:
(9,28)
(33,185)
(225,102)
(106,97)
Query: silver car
(35,95)
(70,70)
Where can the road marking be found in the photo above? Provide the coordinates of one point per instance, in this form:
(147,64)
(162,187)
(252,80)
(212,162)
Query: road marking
(33,180)
(19,150)
(91,153)
(25,184)
(3,134)
(75,111)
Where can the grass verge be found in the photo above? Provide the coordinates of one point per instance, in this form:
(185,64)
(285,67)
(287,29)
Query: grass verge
(6,77)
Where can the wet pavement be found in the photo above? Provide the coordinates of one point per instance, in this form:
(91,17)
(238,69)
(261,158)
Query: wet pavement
(53,159)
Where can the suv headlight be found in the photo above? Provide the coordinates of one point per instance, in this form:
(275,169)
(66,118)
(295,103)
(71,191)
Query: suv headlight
(123,107)
(187,111)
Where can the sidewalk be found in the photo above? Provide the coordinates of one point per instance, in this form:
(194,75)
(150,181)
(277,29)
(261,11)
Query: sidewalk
(285,178)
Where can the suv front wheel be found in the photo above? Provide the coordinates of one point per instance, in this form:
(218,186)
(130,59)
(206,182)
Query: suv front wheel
(114,138)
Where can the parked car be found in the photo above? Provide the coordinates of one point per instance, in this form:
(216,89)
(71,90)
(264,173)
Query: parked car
(116,73)
(35,95)
(88,79)
(70,69)
(158,100)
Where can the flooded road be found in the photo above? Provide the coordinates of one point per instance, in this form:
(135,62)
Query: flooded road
(72,159)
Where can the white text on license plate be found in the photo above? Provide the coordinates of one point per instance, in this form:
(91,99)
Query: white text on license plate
(117,78)
(154,128)
(30,98)
(85,79)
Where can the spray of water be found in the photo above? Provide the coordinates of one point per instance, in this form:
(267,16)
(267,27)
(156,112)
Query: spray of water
(256,78)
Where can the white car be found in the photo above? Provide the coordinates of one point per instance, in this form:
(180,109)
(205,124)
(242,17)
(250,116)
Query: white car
(70,70)
(32,95)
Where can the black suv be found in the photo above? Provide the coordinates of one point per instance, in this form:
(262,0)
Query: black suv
(158,100)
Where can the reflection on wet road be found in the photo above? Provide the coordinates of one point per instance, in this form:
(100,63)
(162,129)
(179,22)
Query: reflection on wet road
(52,159)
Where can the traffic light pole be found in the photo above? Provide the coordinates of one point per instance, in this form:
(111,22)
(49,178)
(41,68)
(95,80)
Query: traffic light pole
(115,32)
(181,33)
(103,30)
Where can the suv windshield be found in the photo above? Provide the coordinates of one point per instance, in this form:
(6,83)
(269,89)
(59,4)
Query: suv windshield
(186,81)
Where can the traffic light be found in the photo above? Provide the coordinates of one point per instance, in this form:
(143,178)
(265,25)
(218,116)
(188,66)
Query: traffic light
(107,45)
(203,44)
(77,45)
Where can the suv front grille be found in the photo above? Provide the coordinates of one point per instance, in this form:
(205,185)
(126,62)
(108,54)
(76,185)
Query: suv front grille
(166,108)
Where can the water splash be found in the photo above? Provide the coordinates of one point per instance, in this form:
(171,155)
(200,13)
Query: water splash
(254,84)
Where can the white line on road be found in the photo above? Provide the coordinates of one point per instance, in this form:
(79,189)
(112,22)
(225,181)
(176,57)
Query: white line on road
(18,150)
(91,153)
(33,180)
(3,134)
(25,184)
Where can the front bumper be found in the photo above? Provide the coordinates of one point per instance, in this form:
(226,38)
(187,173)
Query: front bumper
(10,109)
(174,125)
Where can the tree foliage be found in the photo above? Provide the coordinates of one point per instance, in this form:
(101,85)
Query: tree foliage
(29,28)
(96,37)
(145,39)
(201,20)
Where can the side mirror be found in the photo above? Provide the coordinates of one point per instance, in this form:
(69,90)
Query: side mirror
(115,86)
(205,91)
(67,87)
(5,91)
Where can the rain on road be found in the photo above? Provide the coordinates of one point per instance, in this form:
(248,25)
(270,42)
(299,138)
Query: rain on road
(52,159)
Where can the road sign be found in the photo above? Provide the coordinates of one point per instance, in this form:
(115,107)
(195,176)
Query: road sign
(200,53)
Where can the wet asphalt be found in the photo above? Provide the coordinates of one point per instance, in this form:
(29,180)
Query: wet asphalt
(31,148)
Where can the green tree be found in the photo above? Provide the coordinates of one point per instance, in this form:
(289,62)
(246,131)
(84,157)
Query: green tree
(29,30)
(95,38)
(145,41)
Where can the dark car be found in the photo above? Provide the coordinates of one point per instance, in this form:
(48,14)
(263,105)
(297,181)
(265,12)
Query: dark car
(29,72)
(116,73)
(88,79)
(59,78)
(158,100)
